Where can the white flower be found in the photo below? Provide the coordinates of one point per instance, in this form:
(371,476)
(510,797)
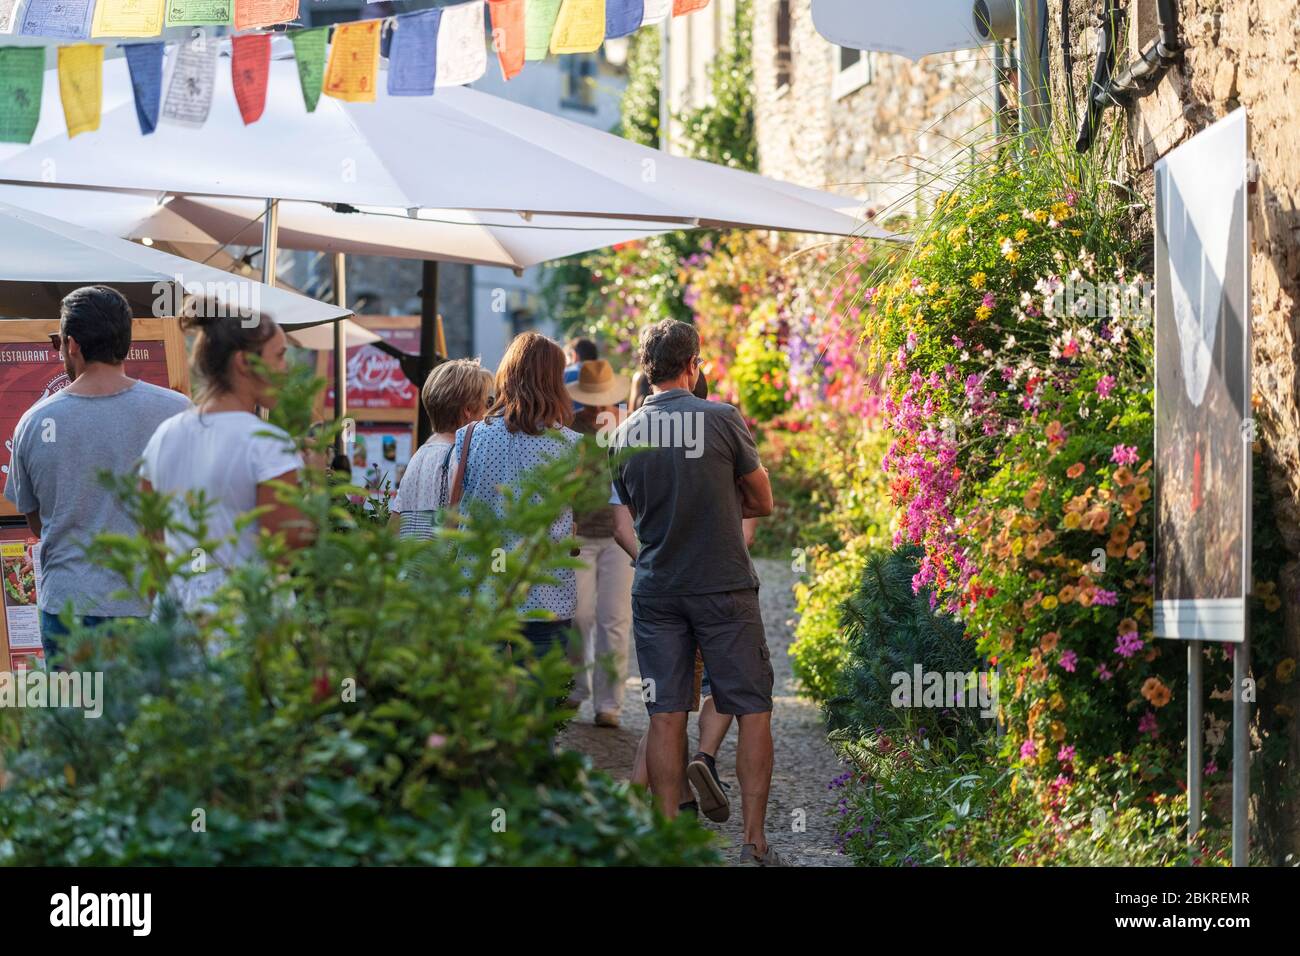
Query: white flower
(1010,343)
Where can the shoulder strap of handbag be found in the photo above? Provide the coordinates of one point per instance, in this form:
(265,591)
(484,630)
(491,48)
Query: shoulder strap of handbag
(458,489)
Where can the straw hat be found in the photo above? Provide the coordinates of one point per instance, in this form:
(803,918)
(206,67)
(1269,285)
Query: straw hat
(598,385)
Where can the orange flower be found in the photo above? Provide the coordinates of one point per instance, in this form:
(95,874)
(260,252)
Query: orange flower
(1032,498)
(1155,691)
(1075,470)
(1114,549)
(1097,519)
(1123,476)
(1068,593)
(1120,533)
(1049,641)
(1135,549)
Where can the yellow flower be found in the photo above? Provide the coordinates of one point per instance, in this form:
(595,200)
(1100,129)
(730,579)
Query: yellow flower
(977,280)
(1022,235)
(1056,701)
(1050,602)
(982,313)
(1286,670)
(1061,212)
(1011,256)
(1004,217)
(932,288)
(1072,520)
(1039,215)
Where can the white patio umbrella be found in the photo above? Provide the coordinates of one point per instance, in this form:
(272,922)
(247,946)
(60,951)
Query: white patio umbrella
(42,259)
(456,150)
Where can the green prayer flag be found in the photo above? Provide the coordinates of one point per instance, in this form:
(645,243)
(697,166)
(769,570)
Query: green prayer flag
(309,52)
(538,26)
(22,79)
(200,12)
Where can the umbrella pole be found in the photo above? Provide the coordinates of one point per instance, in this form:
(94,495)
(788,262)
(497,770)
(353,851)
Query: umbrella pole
(270,248)
(428,341)
(340,352)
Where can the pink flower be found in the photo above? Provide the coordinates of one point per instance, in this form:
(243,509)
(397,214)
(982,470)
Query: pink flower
(1124,455)
(1105,385)
(1065,754)
(1211,768)
(1129,643)
(1069,660)
(1104,598)
(989,300)
(1104,673)
(1028,750)
(1148,724)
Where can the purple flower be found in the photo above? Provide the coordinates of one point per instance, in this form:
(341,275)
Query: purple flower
(1104,673)
(1065,754)
(1028,750)
(989,300)
(1104,598)
(1211,768)
(1148,724)
(1105,385)
(1069,660)
(1129,643)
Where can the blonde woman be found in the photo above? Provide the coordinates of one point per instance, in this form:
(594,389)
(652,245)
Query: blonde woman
(455,394)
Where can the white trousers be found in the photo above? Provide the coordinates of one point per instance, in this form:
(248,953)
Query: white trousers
(604,621)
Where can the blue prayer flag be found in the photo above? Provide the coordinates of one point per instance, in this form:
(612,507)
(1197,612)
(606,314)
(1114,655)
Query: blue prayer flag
(145,63)
(413,57)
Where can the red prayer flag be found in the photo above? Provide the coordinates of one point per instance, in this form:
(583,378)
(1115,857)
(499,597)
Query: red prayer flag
(250,62)
(688,6)
(508,33)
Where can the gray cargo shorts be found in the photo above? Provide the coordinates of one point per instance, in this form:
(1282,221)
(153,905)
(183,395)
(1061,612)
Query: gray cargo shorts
(727,627)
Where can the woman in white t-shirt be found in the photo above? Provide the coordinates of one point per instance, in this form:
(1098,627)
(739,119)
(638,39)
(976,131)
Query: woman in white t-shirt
(455,394)
(223,449)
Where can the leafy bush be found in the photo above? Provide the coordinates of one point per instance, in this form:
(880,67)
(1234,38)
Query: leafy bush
(364,700)
(820,650)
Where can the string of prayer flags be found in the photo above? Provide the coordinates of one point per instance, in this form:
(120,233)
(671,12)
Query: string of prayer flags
(656,11)
(622,17)
(250,14)
(682,7)
(250,67)
(309,54)
(61,19)
(127,18)
(580,27)
(144,61)
(81,86)
(8,15)
(539,24)
(354,61)
(204,13)
(509,32)
(462,55)
(413,56)
(193,78)
(22,79)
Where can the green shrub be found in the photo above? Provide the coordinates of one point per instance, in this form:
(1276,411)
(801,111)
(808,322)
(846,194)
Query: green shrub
(364,700)
(820,650)
(761,370)
(889,632)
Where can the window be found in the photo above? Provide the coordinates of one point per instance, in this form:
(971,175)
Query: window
(579,82)
(784,61)
(854,69)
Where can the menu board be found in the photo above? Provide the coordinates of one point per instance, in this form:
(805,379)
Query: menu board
(20,632)
(375,380)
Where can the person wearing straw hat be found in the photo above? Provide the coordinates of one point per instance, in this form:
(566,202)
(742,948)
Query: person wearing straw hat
(604,614)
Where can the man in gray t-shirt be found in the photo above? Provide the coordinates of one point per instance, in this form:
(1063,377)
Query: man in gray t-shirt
(100,422)
(690,475)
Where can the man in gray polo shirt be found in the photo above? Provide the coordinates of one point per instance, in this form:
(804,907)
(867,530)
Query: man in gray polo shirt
(690,476)
(101,422)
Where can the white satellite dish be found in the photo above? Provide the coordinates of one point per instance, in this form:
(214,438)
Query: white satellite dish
(910,28)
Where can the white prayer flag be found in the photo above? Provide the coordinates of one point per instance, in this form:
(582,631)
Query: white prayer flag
(193,76)
(656,11)
(462,44)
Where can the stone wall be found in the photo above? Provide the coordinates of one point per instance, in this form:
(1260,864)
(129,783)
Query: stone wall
(874,140)
(1239,53)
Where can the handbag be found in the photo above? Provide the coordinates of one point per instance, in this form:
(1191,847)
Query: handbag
(458,486)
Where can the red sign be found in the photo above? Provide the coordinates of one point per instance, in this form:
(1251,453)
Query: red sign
(32,371)
(375,380)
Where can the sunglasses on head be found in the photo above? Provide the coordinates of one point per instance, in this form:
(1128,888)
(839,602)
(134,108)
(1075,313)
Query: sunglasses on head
(56,341)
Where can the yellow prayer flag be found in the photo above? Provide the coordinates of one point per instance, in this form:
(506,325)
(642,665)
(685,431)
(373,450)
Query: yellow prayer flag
(354,61)
(127,18)
(580,27)
(81,69)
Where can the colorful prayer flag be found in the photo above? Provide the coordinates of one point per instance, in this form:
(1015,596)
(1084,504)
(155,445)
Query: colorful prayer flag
(509,30)
(250,14)
(81,86)
(127,18)
(145,63)
(580,27)
(60,19)
(462,52)
(539,24)
(199,12)
(250,64)
(413,56)
(22,80)
(688,6)
(309,54)
(354,61)
(622,17)
(8,15)
(193,77)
